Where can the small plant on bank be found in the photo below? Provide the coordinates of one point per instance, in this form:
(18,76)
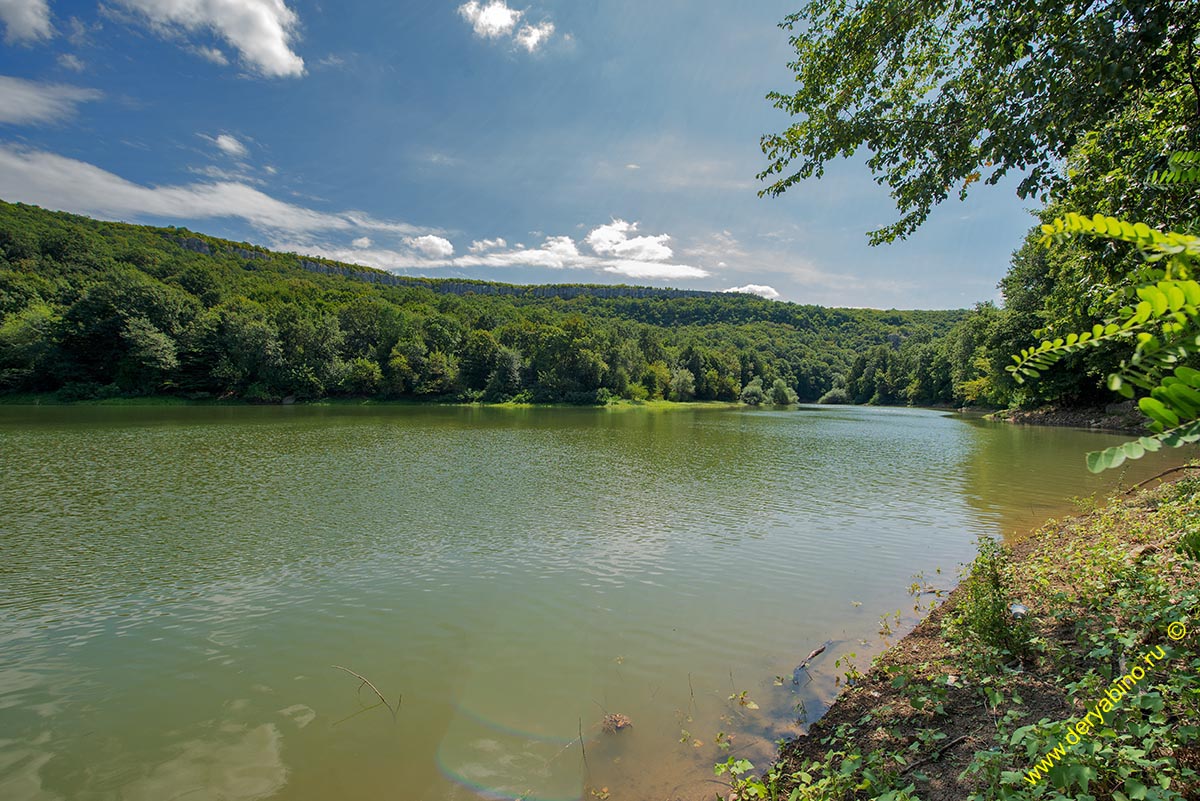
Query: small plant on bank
(985,611)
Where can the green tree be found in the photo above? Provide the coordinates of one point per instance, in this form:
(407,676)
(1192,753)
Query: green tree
(362,377)
(683,384)
(782,394)
(26,347)
(752,393)
(150,359)
(946,93)
(504,382)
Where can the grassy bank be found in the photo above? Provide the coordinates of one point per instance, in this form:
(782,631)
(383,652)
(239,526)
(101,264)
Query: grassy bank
(978,704)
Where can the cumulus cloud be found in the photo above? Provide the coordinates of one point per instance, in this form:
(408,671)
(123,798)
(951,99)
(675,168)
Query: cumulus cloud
(57,182)
(555,253)
(213,54)
(229,145)
(26,20)
(262,31)
(763,291)
(480,245)
(25,102)
(531,37)
(430,245)
(495,20)
(71,62)
(613,240)
(362,242)
(490,21)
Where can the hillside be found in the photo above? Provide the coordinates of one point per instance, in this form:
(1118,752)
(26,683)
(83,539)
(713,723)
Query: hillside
(94,309)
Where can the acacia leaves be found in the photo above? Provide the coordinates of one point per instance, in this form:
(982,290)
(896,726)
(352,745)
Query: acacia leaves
(1182,168)
(1160,318)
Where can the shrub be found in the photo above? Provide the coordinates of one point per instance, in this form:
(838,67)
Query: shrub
(984,610)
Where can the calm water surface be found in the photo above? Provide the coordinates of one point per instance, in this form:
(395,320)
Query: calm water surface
(178,582)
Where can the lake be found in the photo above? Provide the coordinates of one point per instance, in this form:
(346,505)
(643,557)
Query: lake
(178,583)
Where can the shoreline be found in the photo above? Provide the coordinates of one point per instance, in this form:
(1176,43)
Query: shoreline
(1121,418)
(942,716)
(50,399)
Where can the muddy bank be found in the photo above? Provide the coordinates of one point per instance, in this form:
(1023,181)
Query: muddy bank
(1121,417)
(944,715)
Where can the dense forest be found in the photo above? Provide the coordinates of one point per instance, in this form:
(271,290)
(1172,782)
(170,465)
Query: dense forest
(92,309)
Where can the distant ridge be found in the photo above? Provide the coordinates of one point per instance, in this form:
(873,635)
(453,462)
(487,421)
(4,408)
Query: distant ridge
(447,286)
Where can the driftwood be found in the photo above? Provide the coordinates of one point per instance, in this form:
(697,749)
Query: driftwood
(820,649)
(1166,472)
(937,754)
(366,682)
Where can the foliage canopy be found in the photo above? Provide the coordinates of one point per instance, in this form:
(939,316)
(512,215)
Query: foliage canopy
(947,93)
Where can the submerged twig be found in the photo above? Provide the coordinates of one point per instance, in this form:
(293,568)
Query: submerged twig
(583,749)
(367,682)
(355,714)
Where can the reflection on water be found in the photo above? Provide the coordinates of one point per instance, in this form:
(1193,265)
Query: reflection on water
(177,584)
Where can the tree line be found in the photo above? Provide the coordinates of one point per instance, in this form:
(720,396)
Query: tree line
(94,309)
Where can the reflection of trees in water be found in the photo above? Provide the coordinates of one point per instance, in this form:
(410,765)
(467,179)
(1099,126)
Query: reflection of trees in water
(1015,477)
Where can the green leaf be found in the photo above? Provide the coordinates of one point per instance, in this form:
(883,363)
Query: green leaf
(1188,376)
(1155,410)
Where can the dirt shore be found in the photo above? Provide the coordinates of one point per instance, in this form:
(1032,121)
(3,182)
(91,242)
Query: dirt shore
(1121,417)
(932,720)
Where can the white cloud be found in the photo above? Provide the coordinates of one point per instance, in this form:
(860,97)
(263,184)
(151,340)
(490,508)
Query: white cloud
(555,253)
(490,21)
(480,245)
(362,242)
(30,102)
(763,291)
(213,54)
(26,20)
(531,37)
(220,174)
(262,31)
(613,240)
(57,182)
(495,20)
(633,166)
(442,160)
(229,145)
(433,246)
(71,62)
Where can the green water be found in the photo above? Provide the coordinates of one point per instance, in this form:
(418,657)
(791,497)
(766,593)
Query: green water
(178,582)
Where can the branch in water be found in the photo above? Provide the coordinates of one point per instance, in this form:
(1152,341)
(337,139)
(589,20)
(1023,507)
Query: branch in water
(367,682)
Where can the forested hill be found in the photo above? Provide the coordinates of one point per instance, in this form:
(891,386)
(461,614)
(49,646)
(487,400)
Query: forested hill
(209,246)
(94,309)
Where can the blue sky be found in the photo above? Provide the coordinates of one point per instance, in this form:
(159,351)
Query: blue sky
(582,141)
